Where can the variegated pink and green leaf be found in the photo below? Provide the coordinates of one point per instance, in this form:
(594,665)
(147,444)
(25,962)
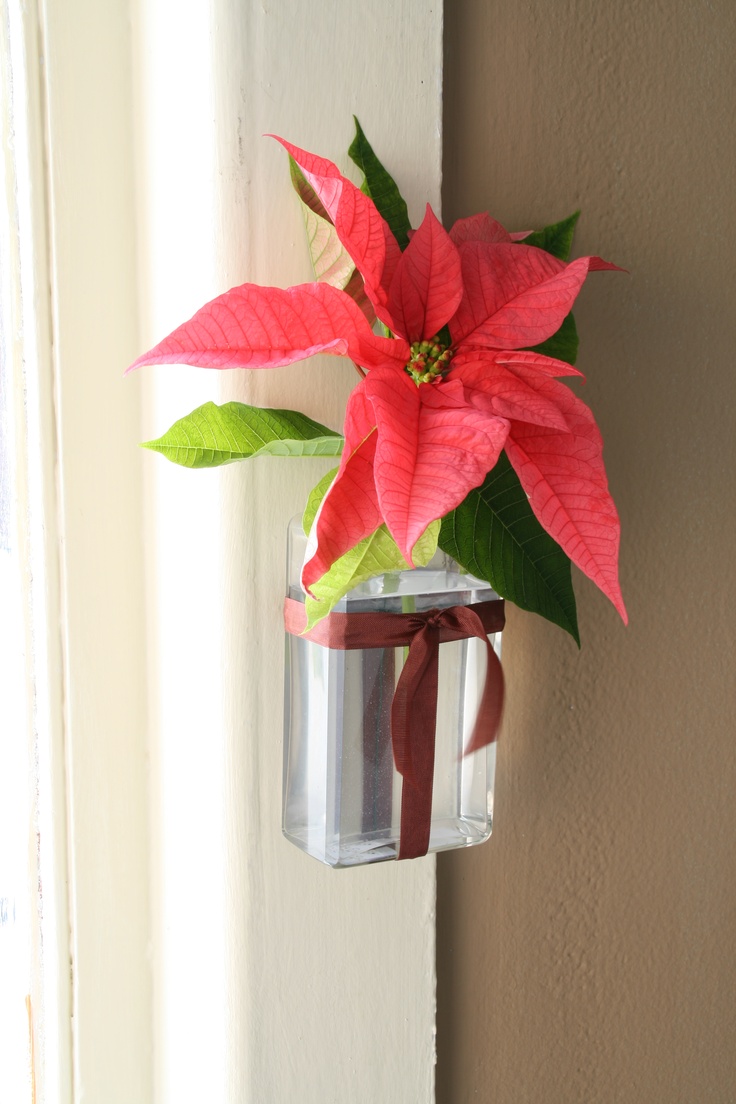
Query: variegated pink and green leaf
(375,554)
(331,262)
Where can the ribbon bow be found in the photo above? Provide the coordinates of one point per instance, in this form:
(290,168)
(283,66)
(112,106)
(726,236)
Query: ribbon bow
(414,707)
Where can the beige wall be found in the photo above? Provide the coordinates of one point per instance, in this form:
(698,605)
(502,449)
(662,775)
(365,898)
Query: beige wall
(588,952)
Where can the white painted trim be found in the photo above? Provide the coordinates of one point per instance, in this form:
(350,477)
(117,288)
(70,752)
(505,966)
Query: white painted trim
(275,979)
(86,82)
(30,368)
(33,732)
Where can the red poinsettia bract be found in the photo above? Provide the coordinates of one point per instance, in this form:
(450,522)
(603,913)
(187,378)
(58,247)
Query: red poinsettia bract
(453,386)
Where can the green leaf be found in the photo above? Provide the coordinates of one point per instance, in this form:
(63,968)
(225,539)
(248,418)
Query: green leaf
(380,186)
(495,535)
(556,238)
(372,556)
(563,345)
(213,435)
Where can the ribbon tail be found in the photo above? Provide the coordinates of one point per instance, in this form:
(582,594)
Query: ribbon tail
(490,710)
(413,721)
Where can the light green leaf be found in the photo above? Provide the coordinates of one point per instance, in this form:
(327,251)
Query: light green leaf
(381,187)
(555,238)
(212,435)
(494,534)
(315,498)
(373,556)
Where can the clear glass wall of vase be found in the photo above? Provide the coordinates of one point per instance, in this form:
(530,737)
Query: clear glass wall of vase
(341,790)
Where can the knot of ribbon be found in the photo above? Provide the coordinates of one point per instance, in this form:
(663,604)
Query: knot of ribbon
(414,706)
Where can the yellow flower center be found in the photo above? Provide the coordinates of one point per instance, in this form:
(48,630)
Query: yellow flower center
(429,361)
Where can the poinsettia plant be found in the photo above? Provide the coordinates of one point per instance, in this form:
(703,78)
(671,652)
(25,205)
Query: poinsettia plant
(459,432)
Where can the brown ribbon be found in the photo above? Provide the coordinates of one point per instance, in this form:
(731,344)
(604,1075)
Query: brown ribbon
(414,708)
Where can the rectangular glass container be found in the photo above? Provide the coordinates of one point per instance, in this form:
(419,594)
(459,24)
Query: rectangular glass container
(341,791)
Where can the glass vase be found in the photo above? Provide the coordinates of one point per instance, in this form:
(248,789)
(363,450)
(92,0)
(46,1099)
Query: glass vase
(341,790)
